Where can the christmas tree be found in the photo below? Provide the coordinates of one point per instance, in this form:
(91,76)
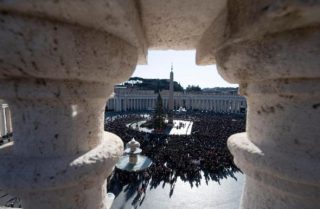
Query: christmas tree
(159,115)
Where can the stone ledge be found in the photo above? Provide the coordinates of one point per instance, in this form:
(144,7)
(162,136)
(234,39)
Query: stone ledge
(120,18)
(45,173)
(243,21)
(273,169)
(40,48)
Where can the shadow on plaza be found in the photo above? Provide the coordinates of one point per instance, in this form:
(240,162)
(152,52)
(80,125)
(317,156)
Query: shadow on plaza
(137,185)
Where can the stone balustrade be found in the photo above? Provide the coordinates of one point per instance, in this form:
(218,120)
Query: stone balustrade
(271,48)
(59,61)
(56,77)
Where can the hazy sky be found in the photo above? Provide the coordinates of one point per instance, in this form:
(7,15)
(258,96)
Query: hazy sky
(186,72)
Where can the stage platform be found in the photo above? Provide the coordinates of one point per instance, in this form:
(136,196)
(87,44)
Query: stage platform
(180,127)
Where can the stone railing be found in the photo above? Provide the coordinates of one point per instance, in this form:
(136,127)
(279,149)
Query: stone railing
(59,61)
(56,77)
(271,48)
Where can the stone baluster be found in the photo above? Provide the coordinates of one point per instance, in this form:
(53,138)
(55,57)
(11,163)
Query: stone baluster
(2,120)
(56,77)
(272,48)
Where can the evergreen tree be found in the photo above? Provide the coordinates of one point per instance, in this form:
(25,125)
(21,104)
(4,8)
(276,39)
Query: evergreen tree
(159,115)
(193,88)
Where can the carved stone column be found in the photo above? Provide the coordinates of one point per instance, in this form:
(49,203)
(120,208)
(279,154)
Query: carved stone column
(56,77)
(272,48)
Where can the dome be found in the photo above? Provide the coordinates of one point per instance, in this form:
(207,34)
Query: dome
(133,145)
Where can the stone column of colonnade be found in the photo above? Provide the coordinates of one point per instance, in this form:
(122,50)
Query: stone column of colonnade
(56,74)
(2,120)
(137,104)
(272,48)
(8,119)
(233,106)
(131,104)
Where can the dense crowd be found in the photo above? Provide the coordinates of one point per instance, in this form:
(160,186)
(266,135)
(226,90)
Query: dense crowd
(190,157)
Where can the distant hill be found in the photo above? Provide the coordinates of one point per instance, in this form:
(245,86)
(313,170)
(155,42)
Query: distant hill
(163,84)
(152,84)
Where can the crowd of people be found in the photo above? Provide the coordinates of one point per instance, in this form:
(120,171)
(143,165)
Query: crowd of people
(203,153)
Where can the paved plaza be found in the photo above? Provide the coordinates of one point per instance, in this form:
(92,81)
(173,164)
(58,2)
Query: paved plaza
(225,194)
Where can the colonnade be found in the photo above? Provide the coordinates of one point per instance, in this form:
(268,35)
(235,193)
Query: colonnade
(137,104)
(127,104)
(226,104)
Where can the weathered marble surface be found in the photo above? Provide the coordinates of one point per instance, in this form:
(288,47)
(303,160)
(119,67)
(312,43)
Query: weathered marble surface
(56,77)
(117,17)
(271,48)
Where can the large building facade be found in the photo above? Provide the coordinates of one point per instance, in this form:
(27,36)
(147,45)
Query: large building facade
(130,99)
